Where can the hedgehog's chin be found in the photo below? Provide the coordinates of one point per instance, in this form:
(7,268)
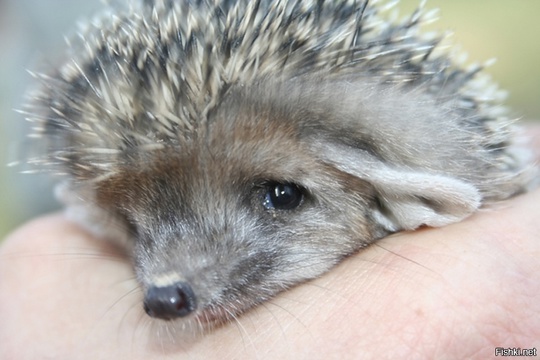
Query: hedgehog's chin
(215,316)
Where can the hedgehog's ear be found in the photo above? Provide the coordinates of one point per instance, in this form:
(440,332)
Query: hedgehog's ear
(409,198)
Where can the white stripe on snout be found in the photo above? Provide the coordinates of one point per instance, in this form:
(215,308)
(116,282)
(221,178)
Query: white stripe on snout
(168,279)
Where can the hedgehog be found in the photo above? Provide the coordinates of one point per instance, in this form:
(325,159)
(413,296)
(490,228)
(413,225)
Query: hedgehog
(240,147)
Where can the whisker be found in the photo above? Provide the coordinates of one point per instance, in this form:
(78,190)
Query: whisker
(406,258)
(117,301)
(75,255)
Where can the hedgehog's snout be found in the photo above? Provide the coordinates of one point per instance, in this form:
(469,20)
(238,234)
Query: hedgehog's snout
(170,302)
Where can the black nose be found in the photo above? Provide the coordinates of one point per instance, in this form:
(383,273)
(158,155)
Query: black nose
(169,302)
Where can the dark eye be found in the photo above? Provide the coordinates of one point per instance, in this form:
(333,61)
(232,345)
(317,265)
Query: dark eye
(283,196)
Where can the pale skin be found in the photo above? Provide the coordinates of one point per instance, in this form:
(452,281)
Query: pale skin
(454,292)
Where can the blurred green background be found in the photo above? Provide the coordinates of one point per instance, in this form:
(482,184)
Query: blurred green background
(32,31)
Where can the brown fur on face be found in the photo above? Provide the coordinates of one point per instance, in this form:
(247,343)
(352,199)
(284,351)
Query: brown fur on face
(198,215)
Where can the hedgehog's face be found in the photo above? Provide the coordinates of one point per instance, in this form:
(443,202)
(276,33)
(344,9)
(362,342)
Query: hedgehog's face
(267,194)
(235,215)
